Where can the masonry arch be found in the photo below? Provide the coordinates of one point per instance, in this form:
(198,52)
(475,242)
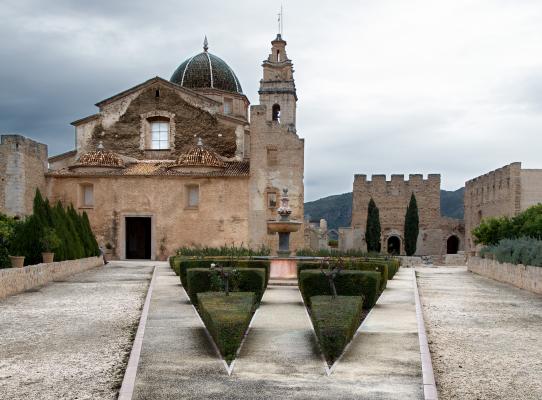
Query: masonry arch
(394,245)
(452,245)
(276,112)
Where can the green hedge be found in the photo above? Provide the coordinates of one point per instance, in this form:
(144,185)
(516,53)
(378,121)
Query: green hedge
(227,318)
(185,264)
(250,280)
(387,268)
(231,251)
(335,322)
(348,283)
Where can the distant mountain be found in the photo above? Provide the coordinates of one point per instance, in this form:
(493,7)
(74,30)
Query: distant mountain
(337,209)
(451,203)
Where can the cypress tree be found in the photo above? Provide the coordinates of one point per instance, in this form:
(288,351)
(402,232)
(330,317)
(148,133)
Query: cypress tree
(64,251)
(372,229)
(94,243)
(411,226)
(80,229)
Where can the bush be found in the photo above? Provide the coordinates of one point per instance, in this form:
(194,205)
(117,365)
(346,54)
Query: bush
(526,224)
(335,322)
(526,251)
(227,318)
(188,263)
(348,283)
(330,253)
(202,280)
(223,251)
(6,232)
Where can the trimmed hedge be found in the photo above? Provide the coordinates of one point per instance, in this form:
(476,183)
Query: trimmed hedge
(348,283)
(335,322)
(182,264)
(200,280)
(227,318)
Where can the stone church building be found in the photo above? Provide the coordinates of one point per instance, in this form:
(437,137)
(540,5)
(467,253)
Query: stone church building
(179,162)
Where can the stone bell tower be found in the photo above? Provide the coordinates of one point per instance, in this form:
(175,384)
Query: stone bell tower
(277,88)
(276,151)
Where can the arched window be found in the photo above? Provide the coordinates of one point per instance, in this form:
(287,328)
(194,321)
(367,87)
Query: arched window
(278,55)
(276,112)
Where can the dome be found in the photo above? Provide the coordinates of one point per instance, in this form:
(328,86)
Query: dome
(100,158)
(205,70)
(199,156)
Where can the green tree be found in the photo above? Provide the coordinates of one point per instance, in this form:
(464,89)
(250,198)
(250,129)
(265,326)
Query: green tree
(412,226)
(372,229)
(94,243)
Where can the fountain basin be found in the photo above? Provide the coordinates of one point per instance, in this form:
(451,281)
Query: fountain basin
(283,226)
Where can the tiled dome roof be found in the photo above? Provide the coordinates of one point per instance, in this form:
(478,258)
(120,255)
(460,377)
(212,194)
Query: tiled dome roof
(205,70)
(199,156)
(100,158)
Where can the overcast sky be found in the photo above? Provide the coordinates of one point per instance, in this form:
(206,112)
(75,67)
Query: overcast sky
(418,86)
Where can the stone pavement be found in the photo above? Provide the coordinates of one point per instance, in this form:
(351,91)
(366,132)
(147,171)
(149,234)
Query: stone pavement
(280,358)
(485,336)
(70,339)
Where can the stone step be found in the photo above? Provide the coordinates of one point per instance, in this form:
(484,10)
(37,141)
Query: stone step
(283,282)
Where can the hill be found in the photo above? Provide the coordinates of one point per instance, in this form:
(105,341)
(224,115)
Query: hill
(337,209)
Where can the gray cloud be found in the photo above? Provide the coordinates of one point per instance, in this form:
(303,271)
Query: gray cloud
(384,86)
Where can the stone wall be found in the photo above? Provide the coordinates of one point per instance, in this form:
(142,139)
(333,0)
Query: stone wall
(521,276)
(23,164)
(503,192)
(17,280)
(220,219)
(392,198)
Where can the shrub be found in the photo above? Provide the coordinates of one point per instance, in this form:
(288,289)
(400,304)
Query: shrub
(348,283)
(201,280)
(330,253)
(223,251)
(188,263)
(411,226)
(227,318)
(526,224)
(526,251)
(6,232)
(335,322)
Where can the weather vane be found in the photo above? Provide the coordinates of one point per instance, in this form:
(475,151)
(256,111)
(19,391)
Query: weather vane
(279,20)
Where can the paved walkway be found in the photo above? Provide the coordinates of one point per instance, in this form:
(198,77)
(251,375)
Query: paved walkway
(71,339)
(485,337)
(280,358)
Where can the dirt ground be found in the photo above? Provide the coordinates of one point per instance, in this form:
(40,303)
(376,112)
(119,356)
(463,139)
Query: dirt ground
(71,339)
(485,337)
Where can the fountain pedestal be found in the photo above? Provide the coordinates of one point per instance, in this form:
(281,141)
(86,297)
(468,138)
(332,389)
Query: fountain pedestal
(282,267)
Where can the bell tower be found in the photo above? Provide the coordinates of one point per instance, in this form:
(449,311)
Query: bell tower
(277,88)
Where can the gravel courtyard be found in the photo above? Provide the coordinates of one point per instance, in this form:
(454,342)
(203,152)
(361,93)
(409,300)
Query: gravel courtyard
(72,339)
(485,337)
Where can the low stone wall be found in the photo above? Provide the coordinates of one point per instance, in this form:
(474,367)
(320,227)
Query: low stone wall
(523,276)
(17,280)
(410,261)
(455,259)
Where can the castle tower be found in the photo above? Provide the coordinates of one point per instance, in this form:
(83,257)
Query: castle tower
(277,88)
(276,151)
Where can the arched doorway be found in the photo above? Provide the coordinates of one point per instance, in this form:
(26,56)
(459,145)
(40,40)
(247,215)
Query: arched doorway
(394,245)
(452,245)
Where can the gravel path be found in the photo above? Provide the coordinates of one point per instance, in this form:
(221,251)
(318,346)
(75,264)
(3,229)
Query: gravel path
(485,337)
(71,339)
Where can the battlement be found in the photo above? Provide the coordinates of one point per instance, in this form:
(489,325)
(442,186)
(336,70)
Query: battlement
(396,179)
(21,144)
(499,173)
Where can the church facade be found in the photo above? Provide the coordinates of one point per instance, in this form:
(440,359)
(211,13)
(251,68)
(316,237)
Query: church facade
(186,161)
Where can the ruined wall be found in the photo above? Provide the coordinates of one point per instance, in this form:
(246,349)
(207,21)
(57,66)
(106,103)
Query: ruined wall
(23,164)
(497,193)
(122,133)
(221,218)
(531,187)
(276,162)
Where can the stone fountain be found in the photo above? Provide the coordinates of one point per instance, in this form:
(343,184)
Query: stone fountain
(283,266)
